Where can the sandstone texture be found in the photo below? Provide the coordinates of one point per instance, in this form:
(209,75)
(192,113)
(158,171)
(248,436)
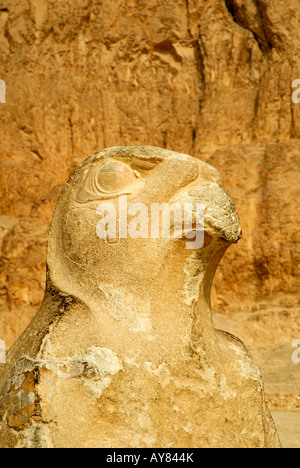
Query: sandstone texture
(123,351)
(210,78)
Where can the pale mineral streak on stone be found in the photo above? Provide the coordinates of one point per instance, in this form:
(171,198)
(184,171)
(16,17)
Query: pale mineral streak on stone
(194,272)
(225,390)
(162,372)
(99,366)
(147,425)
(96,364)
(249,369)
(127,308)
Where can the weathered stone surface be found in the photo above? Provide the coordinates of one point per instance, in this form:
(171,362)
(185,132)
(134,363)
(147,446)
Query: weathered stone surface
(208,78)
(123,352)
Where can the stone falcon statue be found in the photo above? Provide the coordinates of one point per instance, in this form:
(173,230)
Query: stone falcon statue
(123,351)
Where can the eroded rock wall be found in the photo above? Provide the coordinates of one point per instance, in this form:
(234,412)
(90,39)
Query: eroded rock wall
(208,78)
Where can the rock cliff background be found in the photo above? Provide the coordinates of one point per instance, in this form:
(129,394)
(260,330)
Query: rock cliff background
(211,78)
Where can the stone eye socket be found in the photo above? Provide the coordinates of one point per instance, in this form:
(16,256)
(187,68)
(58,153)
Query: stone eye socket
(114,176)
(105,180)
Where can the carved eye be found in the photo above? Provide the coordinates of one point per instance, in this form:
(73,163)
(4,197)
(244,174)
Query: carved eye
(107,180)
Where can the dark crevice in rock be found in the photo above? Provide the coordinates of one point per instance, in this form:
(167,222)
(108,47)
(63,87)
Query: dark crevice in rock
(167,47)
(230,8)
(188,17)
(200,69)
(238,18)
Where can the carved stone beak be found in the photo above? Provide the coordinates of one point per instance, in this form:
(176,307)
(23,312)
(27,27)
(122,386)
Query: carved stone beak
(220,215)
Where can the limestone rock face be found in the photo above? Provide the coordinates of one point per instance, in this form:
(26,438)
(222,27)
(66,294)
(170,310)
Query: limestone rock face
(210,78)
(123,352)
